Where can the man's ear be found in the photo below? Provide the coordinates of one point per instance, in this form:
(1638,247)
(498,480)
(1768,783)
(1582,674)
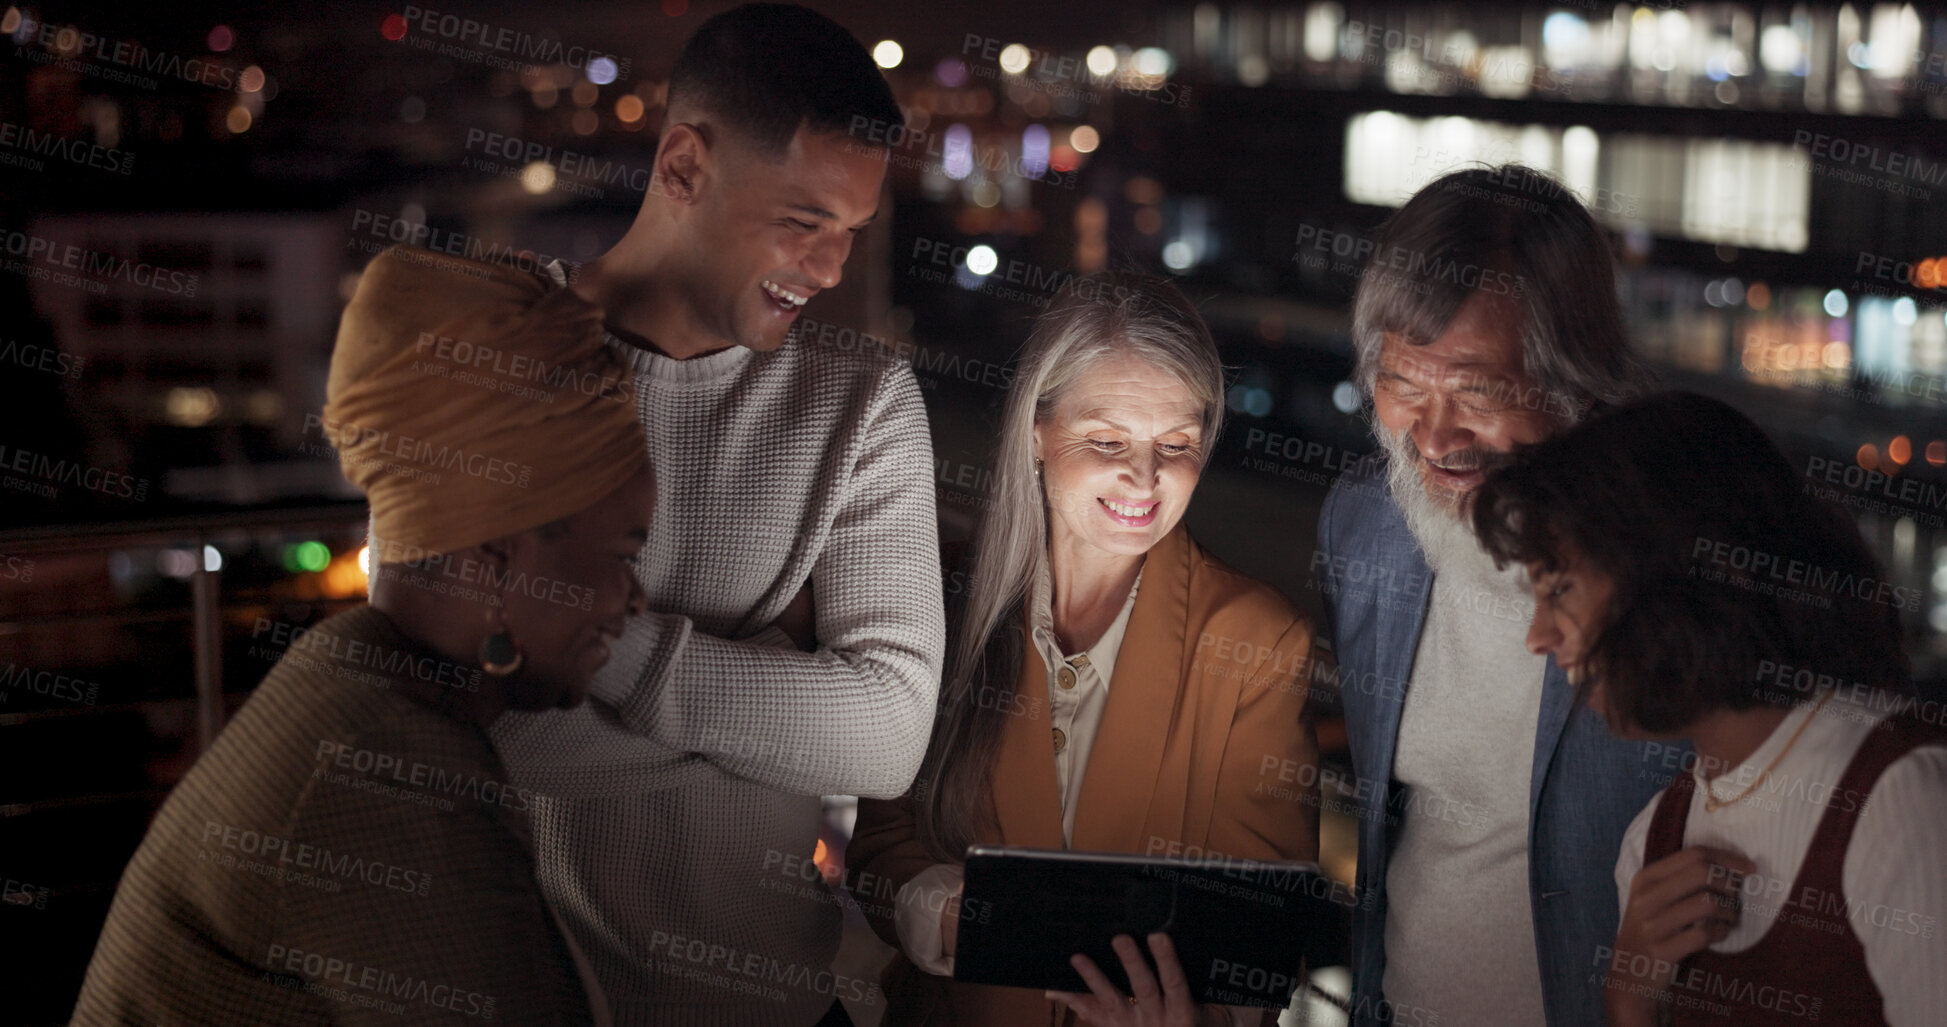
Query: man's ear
(684,162)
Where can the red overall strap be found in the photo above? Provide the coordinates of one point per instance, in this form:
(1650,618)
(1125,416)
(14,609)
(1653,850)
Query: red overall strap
(1810,964)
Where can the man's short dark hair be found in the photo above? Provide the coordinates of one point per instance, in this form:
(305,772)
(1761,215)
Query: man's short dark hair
(768,69)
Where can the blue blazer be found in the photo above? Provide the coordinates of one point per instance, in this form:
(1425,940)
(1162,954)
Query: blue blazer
(1586,787)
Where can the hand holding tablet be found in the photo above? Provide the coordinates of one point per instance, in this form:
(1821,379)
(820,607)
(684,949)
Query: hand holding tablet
(1238,932)
(1162,998)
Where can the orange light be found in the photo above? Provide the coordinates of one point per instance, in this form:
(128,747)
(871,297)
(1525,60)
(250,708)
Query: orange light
(1926,274)
(1868,457)
(1937,452)
(1900,449)
(1758,296)
(342,578)
(629,108)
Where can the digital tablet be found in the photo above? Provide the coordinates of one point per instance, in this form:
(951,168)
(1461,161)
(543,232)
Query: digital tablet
(1243,929)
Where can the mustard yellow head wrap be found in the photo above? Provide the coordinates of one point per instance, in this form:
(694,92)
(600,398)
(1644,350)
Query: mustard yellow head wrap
(470,401)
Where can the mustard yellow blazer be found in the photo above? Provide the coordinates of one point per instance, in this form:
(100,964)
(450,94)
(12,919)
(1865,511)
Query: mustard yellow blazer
(1202,735)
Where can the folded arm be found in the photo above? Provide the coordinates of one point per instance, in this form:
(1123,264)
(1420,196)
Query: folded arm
(852,717)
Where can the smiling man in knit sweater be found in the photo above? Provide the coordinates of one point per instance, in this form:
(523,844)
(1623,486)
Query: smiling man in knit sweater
(795,646)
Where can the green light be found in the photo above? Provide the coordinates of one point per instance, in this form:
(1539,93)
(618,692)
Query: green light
(310,556)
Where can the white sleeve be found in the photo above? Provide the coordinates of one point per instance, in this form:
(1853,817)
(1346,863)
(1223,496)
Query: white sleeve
(1895,879)
(1629,859)
(917,913)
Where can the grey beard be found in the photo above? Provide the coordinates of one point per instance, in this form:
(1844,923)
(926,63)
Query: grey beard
(1441,528)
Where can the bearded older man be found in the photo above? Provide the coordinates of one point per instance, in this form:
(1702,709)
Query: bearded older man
(1487,319)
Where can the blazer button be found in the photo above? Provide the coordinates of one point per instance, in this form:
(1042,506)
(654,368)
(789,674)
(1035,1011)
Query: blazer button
(1065,678)
(1061,740)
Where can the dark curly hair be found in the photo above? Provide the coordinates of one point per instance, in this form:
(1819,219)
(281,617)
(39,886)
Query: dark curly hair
(1723,567)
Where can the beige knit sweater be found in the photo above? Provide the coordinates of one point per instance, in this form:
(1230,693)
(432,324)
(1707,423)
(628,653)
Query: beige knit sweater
(681,804)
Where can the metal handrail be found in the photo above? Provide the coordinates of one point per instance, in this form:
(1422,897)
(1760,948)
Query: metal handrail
(205,585)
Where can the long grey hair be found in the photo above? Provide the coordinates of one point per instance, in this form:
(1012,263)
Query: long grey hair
(1095,317)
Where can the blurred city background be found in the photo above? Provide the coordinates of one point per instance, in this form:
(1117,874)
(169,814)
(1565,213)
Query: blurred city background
(1774,175)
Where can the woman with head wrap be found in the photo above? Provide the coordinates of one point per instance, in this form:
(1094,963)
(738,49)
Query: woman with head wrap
(349,850)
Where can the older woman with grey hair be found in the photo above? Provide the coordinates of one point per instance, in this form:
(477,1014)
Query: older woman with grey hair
(1088,702)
